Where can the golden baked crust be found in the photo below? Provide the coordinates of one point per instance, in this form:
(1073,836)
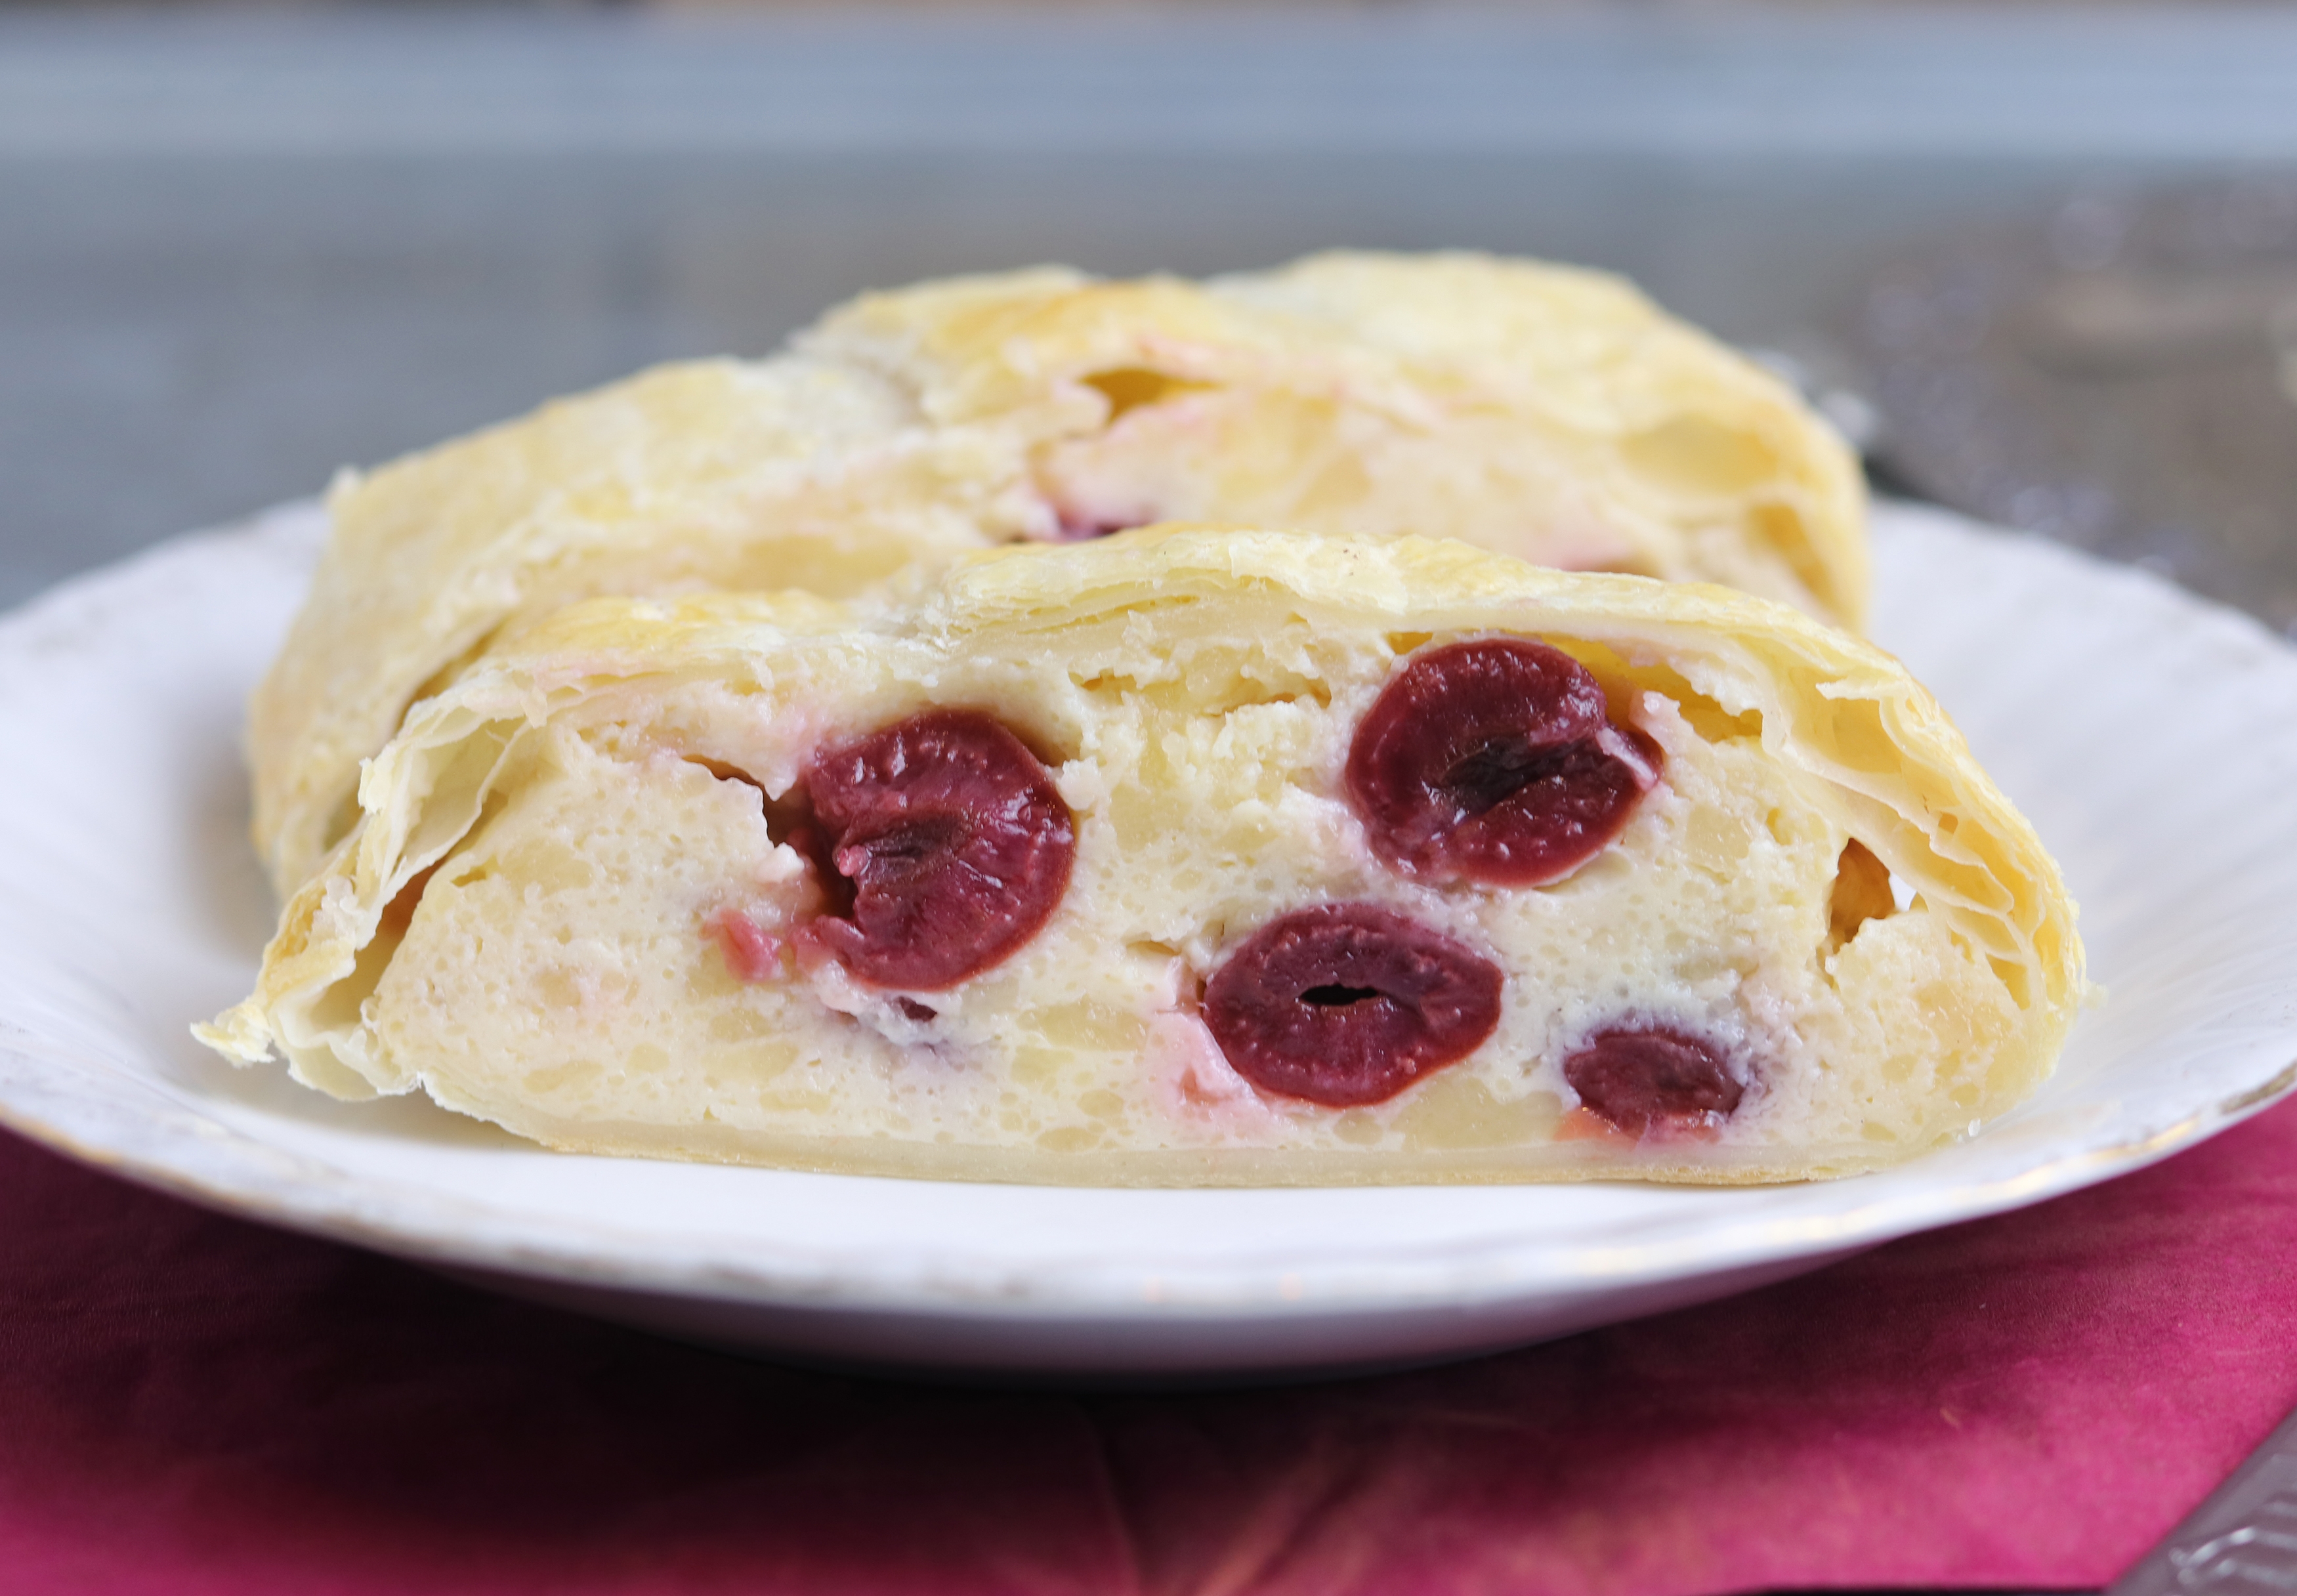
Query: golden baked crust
(1544,412)
(532,921)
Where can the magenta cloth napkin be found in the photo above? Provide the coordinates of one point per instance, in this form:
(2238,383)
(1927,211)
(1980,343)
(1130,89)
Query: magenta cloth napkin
(192,1405)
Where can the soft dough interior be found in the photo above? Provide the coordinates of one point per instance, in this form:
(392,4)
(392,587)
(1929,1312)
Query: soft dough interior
(568,970)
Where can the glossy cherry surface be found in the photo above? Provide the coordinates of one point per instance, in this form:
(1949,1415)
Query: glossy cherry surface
(1348,1003)
(946,836)
(1656,1077)
(1493,761)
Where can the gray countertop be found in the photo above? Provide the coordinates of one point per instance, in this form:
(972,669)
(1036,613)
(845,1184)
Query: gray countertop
(239,251)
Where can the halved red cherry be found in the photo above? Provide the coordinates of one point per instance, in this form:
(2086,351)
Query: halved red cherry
(950,838)
(1346,1003)
(1494,761)
(1645,1078)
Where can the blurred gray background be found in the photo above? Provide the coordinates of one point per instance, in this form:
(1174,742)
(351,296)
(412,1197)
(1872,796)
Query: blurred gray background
(240,249)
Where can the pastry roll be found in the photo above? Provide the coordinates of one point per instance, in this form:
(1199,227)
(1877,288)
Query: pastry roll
(1190,856)
(1550,414)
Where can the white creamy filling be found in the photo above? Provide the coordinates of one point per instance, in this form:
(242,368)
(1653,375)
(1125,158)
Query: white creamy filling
(570,962)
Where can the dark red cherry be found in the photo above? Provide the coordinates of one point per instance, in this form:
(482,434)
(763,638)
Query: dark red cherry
(1347,1003)
(1653,1077)
(1493,762)
(950,842)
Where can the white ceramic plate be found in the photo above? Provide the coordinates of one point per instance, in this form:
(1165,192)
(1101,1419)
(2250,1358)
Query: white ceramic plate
(2151,738)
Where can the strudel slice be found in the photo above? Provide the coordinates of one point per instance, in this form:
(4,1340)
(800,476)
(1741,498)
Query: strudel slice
(1191,856)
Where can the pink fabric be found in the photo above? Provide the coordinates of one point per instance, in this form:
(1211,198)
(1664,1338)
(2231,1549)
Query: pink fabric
(192,1404)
